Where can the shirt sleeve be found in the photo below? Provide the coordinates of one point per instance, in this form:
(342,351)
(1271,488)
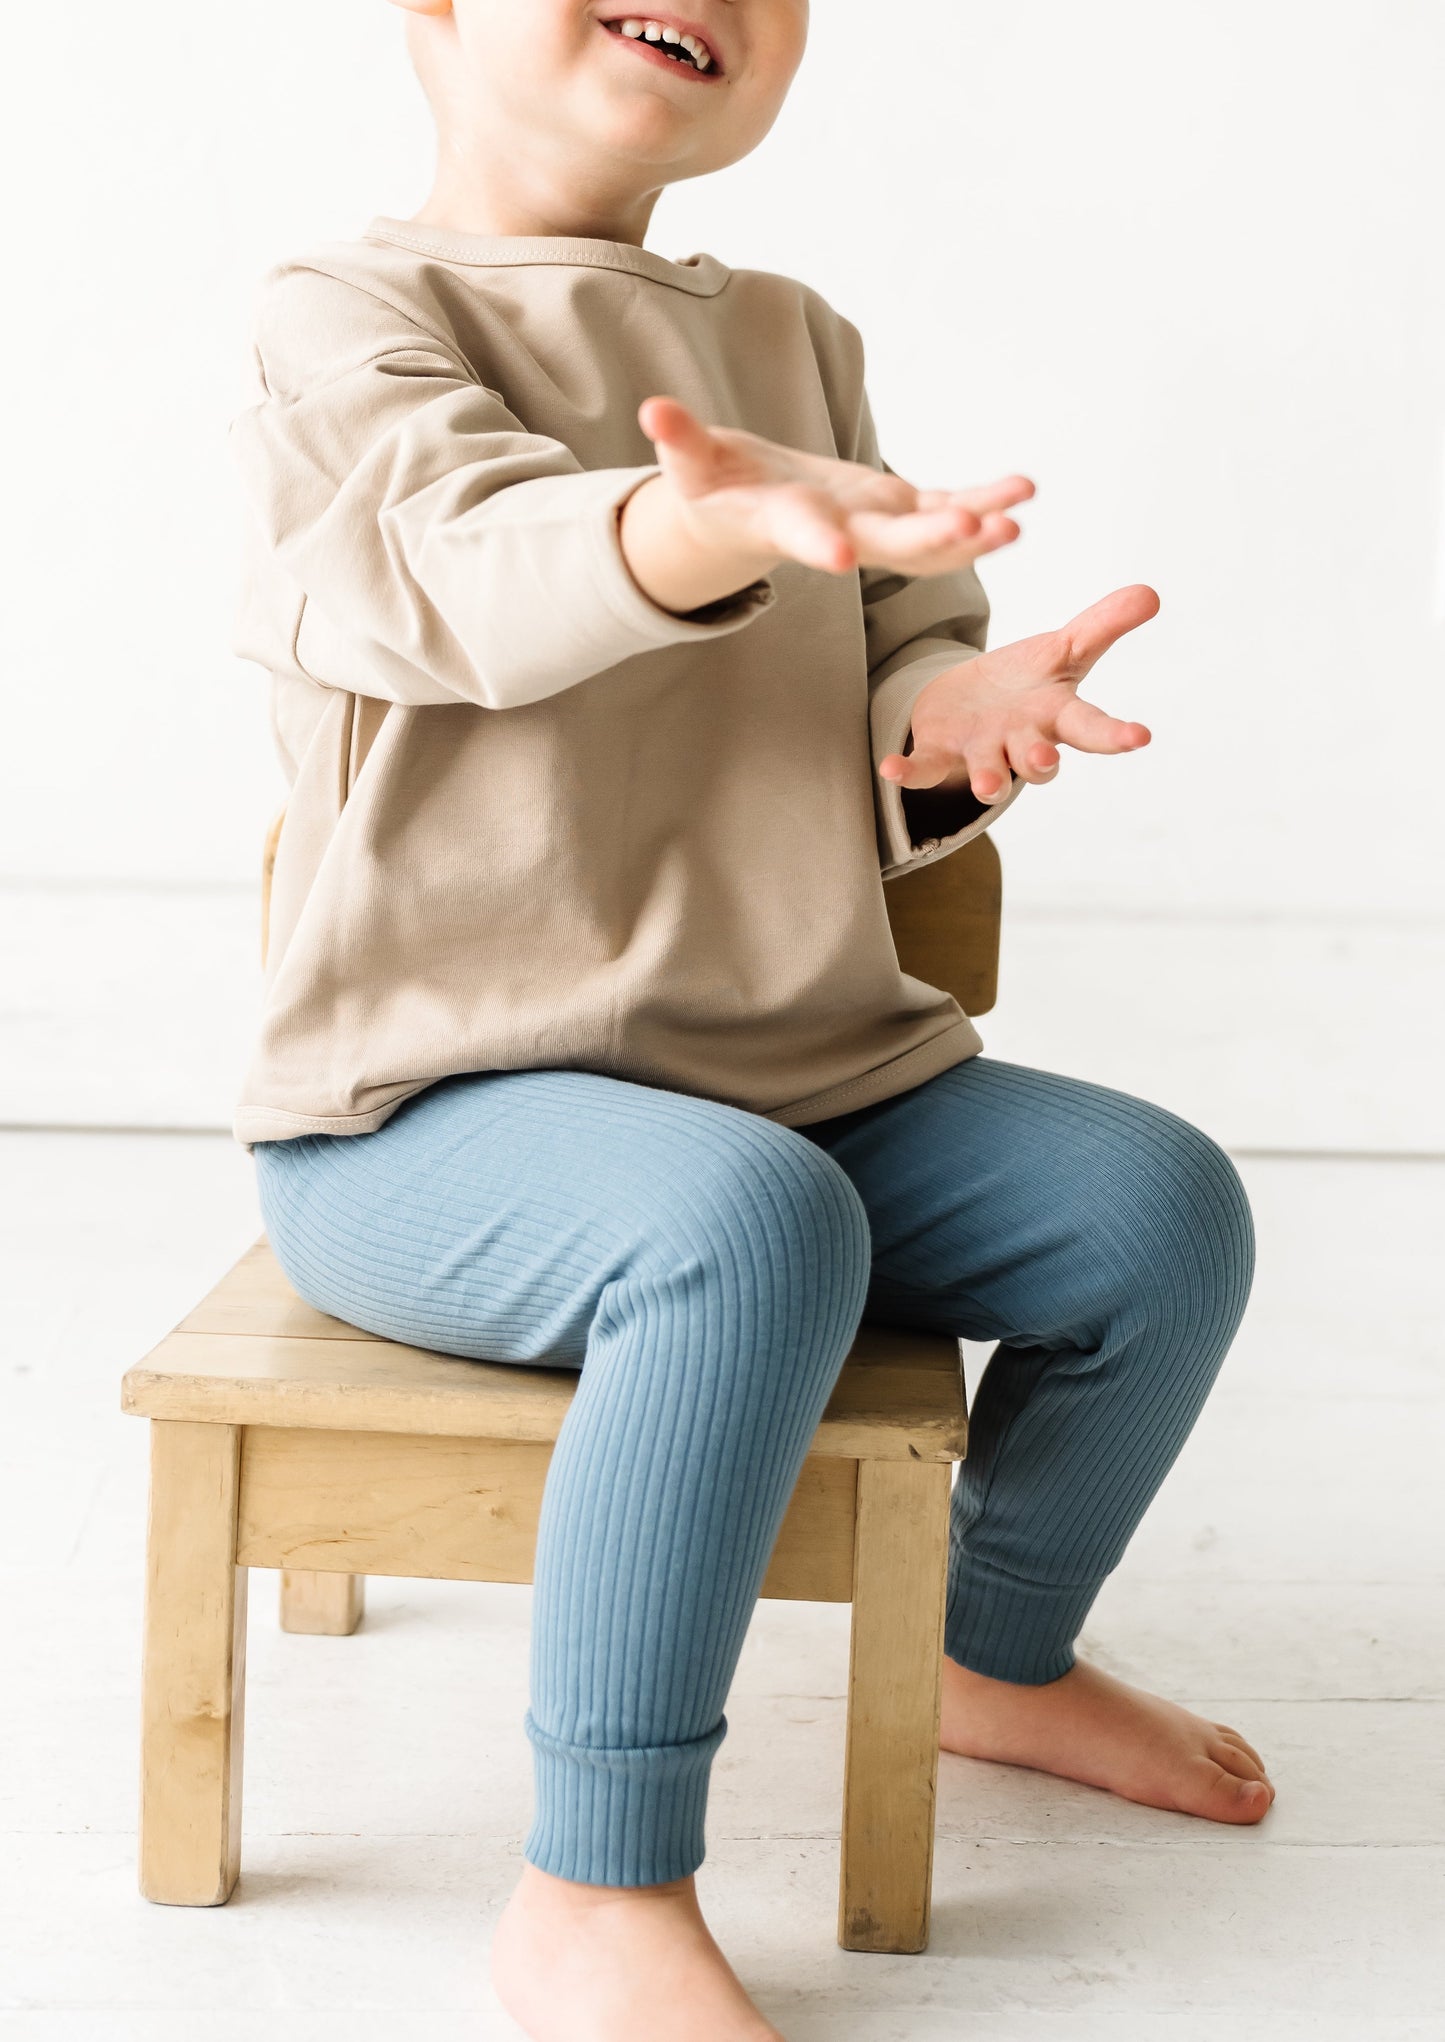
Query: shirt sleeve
(438,550)
(916,627)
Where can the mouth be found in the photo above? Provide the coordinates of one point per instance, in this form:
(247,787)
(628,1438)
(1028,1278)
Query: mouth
(663,39)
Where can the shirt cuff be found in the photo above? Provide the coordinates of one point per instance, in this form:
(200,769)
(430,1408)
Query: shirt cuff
(890,715)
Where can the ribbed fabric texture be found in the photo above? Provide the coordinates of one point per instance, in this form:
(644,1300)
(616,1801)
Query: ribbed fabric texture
(706,1270)
(709,1268)
(1108,1246)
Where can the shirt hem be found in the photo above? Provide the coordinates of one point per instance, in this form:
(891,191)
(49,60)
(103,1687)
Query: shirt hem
(253,1124)
(940,1053)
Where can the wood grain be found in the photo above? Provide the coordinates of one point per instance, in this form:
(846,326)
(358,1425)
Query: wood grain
(193,1672)
(321,1605)
(895,1687)
(468,1509)
(252,1353)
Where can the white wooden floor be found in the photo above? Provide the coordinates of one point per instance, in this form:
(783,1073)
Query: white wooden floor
(1291,1578)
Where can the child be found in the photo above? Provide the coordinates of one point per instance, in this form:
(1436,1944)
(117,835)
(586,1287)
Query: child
(614,673)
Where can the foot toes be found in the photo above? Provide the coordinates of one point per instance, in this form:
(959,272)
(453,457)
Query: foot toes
(1235,1760)
(1230,1798)
(1233,1737)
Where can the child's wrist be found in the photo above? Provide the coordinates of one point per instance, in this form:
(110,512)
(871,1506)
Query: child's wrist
(676,566)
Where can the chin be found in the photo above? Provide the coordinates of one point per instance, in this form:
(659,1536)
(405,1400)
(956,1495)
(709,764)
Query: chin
(644,128)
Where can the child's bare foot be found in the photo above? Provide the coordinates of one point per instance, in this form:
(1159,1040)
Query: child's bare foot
(575,1963)
(1088,1726)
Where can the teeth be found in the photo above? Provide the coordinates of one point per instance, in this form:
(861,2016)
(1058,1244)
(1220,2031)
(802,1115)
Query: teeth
(636,26)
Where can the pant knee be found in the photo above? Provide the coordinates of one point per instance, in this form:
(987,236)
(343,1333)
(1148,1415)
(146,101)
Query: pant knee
(775,1229)
(1197,1186)
(1183,1221)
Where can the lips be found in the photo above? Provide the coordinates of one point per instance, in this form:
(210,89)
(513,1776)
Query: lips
(653,51)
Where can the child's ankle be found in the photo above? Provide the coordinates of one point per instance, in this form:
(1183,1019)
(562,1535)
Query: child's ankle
(547,1887)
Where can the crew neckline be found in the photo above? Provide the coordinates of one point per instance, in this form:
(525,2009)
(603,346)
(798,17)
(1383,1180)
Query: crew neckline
(702,274)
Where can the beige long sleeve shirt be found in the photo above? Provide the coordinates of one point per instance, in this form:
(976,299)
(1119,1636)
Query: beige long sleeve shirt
(534,819)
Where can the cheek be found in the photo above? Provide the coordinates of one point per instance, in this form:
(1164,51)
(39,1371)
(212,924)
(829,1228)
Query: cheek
(529,40)
(779,50)
(794,22)
(537,69)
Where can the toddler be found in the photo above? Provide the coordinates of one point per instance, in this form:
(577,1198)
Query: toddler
(614,673)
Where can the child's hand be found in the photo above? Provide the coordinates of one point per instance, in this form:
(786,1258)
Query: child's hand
(1012,708)
(751,498)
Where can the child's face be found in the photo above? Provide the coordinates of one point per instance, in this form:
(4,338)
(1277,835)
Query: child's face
(561,71)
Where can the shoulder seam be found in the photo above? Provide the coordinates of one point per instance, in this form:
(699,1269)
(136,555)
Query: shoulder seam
(316,266)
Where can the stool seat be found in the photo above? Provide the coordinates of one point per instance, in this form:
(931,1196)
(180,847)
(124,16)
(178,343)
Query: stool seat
(254,1353)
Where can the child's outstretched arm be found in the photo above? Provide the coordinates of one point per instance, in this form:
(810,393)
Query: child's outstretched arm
(730,505)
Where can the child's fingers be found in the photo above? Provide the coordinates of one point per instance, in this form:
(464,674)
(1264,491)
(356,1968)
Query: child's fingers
(922,767)
(669,420)
(997,531)
(902,538)
(994,496)
(1103,624)
(691,450)
(809,527)
(1031,755)
(988,772)
(928,542)
(1090,729)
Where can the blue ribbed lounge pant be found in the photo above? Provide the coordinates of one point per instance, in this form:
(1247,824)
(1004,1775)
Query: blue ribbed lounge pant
(706,1270)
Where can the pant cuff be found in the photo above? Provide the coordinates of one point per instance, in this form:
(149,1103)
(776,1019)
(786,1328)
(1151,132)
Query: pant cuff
(1022,1631)
(613,1816)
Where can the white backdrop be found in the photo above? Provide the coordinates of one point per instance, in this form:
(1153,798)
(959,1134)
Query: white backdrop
(1181,264)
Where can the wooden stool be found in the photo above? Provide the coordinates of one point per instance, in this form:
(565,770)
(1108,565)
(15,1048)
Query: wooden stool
(281,1437)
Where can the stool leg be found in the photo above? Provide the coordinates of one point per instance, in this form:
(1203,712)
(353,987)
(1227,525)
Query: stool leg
(895,1685)
(193,1684)
(321,1605)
